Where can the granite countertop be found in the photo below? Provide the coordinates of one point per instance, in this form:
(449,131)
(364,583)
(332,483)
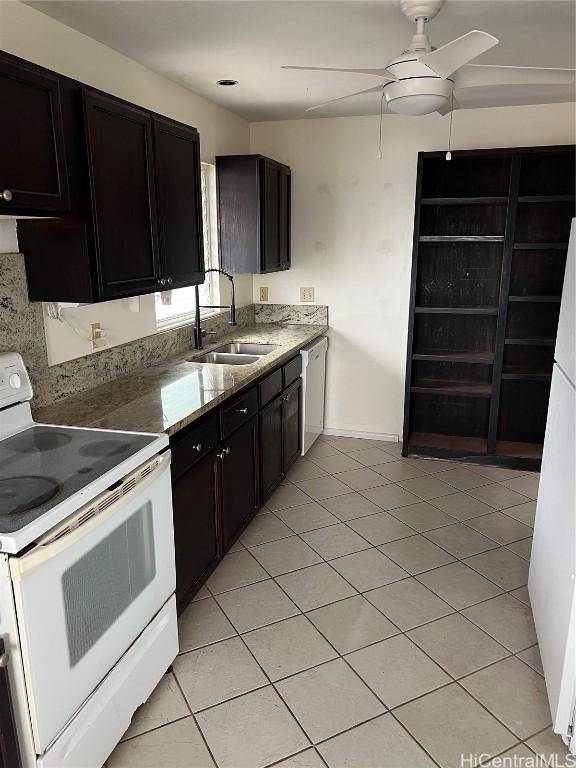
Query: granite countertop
(169,396)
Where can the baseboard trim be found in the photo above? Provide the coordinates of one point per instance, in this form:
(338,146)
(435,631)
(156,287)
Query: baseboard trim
(383,436)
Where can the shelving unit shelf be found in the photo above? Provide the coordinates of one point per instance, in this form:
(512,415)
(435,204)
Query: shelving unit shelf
(489,250)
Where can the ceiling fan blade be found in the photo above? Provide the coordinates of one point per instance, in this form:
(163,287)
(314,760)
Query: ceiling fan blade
(375,72)
(376,89)
(485,74)
(450,57)
(513,95)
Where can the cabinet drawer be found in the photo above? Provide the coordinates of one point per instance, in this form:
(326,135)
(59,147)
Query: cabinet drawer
(192,446)
(292,370)
(270,387)
(240,410)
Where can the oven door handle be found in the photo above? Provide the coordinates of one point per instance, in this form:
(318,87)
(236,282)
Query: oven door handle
(105,506)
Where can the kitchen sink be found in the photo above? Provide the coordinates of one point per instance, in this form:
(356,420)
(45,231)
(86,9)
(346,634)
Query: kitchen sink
(236,353)
(239,348)
(226,358)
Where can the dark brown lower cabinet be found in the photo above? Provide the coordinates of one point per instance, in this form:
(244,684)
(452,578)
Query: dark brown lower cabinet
(280,438)
(9,751)
(271,463)
(291,433)
(239,469)
(196,526)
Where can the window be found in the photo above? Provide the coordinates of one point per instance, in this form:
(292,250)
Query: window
(177,307)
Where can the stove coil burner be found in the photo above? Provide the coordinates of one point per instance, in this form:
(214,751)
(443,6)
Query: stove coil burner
(104,448)
(35,439)
(21,494)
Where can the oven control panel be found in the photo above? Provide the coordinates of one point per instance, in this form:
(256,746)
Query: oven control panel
(15,384)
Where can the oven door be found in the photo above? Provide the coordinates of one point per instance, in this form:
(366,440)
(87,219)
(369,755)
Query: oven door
(87,591)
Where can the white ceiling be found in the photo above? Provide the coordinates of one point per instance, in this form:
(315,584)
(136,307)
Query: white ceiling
(198,43)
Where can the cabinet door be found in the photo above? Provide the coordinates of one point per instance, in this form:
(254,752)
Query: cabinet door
(179,192)
(292,436)
(284,218)
(270,202)
(32,162)
(196,526)
(119,139)
(239,480)
(271,463)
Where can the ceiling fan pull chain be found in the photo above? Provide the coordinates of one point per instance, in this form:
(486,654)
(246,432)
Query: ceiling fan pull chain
(449,153)
(379,155)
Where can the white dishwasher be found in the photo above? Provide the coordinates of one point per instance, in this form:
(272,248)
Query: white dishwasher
(313,387)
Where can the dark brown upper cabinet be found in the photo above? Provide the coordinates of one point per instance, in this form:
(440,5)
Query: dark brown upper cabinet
(115,190)
(123,196)
(33,176)
(253,214)
(179,194)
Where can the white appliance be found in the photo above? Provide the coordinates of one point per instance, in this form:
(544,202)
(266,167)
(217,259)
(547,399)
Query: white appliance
(87,581)
(553,563)
(313,388)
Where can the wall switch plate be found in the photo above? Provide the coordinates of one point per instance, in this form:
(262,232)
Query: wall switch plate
(263,293)
(306,294)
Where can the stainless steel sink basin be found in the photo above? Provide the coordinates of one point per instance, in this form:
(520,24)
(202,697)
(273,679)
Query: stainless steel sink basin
(235,353)
(239,348)
(224,358)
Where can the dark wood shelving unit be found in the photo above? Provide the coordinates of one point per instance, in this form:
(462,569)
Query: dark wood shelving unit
(461,239)
(464,200)
(541,247)
(454,356)
(489,249)
(456,310)
(542,299)
(451,387)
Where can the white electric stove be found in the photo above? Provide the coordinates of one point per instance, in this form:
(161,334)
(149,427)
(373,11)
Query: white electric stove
(87,581)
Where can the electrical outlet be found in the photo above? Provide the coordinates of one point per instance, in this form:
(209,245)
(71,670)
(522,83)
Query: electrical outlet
(306,294)
(97,335)
(263,293)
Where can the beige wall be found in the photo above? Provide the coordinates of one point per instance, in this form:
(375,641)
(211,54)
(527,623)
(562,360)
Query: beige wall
(36,37)
(352,222)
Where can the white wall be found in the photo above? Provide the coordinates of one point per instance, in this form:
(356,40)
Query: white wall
(32,35)
(352,222)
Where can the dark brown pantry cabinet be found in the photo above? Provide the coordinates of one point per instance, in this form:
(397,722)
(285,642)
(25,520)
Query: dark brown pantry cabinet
(253,214)
(33,175)
(490,239)
(115,189)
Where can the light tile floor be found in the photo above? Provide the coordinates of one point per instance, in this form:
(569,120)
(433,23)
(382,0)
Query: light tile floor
(373,615)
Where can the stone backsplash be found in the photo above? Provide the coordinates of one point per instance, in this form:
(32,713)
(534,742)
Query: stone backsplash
(22,330)
(294,314)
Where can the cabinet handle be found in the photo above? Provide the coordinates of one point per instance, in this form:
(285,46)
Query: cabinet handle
(169,280)
(197,447)
(162,281)
(4,659)
(223,453)
(6,194)
(241,410)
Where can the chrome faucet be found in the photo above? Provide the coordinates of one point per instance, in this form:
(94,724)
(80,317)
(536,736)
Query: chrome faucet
(199,332)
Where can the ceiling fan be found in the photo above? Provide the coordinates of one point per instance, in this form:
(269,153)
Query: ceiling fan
(424,79)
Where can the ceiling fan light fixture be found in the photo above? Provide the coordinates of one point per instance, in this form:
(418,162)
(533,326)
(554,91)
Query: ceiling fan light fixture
(418,95)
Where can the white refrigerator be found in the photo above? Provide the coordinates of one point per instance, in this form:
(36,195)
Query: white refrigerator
(553,563)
